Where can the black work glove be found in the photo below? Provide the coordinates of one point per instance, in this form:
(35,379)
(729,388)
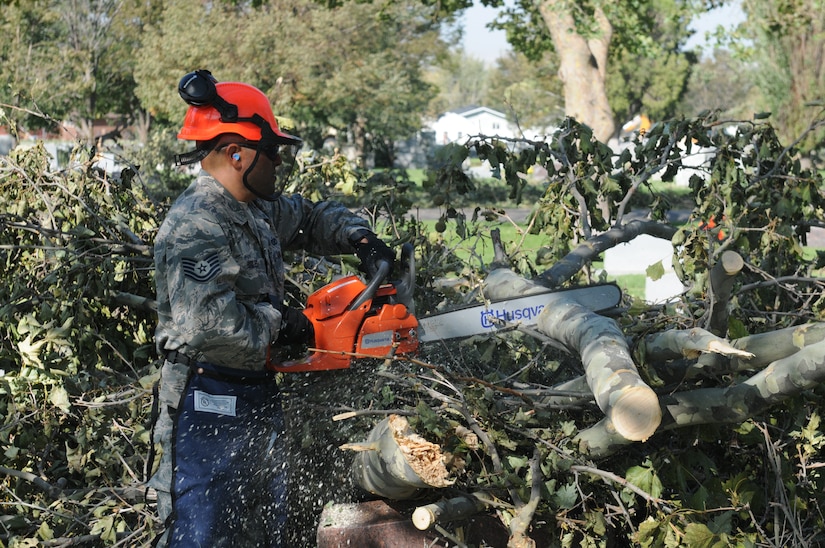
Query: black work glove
(371,252)
(296,329)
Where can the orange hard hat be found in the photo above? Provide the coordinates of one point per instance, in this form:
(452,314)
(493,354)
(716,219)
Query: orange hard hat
(204,122)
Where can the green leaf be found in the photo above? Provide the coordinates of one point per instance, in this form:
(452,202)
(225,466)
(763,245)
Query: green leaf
(45,532)
(105,528)
(646,479)
(651,533)
(566,496)
(517,463)
(698,535)
(655,271)
(568,428)
(60,399)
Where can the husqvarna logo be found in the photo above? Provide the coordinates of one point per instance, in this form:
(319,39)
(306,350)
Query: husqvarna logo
(377,340)
(495,316)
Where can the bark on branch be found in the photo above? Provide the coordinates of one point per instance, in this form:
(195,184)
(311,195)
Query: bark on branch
(722,276)
(677,343)
(631,405)
(784,378)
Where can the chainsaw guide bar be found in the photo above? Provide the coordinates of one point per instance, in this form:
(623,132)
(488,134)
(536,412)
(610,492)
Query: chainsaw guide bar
(506,313)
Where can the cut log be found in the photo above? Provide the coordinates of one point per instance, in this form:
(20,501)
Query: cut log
(777,382)
(447,510)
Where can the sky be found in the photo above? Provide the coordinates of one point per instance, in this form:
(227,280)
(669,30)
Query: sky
(482,43)
(479,41)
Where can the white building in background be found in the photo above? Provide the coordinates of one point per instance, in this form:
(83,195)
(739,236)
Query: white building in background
(457,125)
(635,256)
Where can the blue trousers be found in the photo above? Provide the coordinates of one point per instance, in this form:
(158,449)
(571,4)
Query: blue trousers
(229,464)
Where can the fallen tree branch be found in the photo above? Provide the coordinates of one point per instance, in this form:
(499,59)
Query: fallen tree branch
(52,491)
(777,382)
(722,276)
(629,403)
(678,343)
(588,251)
(611,477)
(456,508)
(524,516)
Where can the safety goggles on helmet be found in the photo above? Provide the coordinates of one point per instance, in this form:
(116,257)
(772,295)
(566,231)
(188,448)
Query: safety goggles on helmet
(273,152)
(218,108)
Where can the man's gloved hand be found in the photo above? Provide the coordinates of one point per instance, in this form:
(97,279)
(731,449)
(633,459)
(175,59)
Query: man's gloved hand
(371,251)
(296,329)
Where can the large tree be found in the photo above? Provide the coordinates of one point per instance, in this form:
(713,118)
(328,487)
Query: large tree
(786,41)
(353,69)
(583,35)
(654,80)
(72,59)
(590,37)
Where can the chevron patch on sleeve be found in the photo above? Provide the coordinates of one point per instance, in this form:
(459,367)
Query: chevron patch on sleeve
(203,270)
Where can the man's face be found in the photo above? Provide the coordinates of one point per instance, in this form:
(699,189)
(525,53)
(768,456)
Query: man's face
(260,173)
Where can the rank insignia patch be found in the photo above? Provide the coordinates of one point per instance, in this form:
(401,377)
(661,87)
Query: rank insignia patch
(202,271)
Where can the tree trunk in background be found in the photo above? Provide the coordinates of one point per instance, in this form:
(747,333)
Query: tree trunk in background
(359,137)
(583,67)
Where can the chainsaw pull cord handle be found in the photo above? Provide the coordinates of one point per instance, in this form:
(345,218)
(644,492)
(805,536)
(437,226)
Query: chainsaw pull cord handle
(369,291)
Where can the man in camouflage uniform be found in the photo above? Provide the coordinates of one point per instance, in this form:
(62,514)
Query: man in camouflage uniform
(221,480)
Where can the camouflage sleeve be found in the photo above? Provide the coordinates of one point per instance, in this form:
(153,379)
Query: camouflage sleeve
(322,228)
(228,329)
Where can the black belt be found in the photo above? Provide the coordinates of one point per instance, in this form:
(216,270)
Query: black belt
(179,357)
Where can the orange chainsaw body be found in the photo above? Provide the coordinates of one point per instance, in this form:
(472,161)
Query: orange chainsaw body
(379,326)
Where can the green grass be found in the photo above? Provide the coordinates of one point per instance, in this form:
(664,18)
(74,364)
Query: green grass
(478,252)
(631,284)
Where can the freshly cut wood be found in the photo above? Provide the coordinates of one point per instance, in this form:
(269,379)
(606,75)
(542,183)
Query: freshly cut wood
(396,463)
(690,343)
(446,510)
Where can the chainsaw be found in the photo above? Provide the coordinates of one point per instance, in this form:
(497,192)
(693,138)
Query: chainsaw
(353,319)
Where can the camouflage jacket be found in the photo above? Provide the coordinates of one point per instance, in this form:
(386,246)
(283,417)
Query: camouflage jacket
(218,259)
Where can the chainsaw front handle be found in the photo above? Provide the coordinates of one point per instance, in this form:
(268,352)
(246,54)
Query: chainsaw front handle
(405,286)
(369,292)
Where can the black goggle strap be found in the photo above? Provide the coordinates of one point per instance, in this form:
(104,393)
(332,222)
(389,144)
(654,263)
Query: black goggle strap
(192,157)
